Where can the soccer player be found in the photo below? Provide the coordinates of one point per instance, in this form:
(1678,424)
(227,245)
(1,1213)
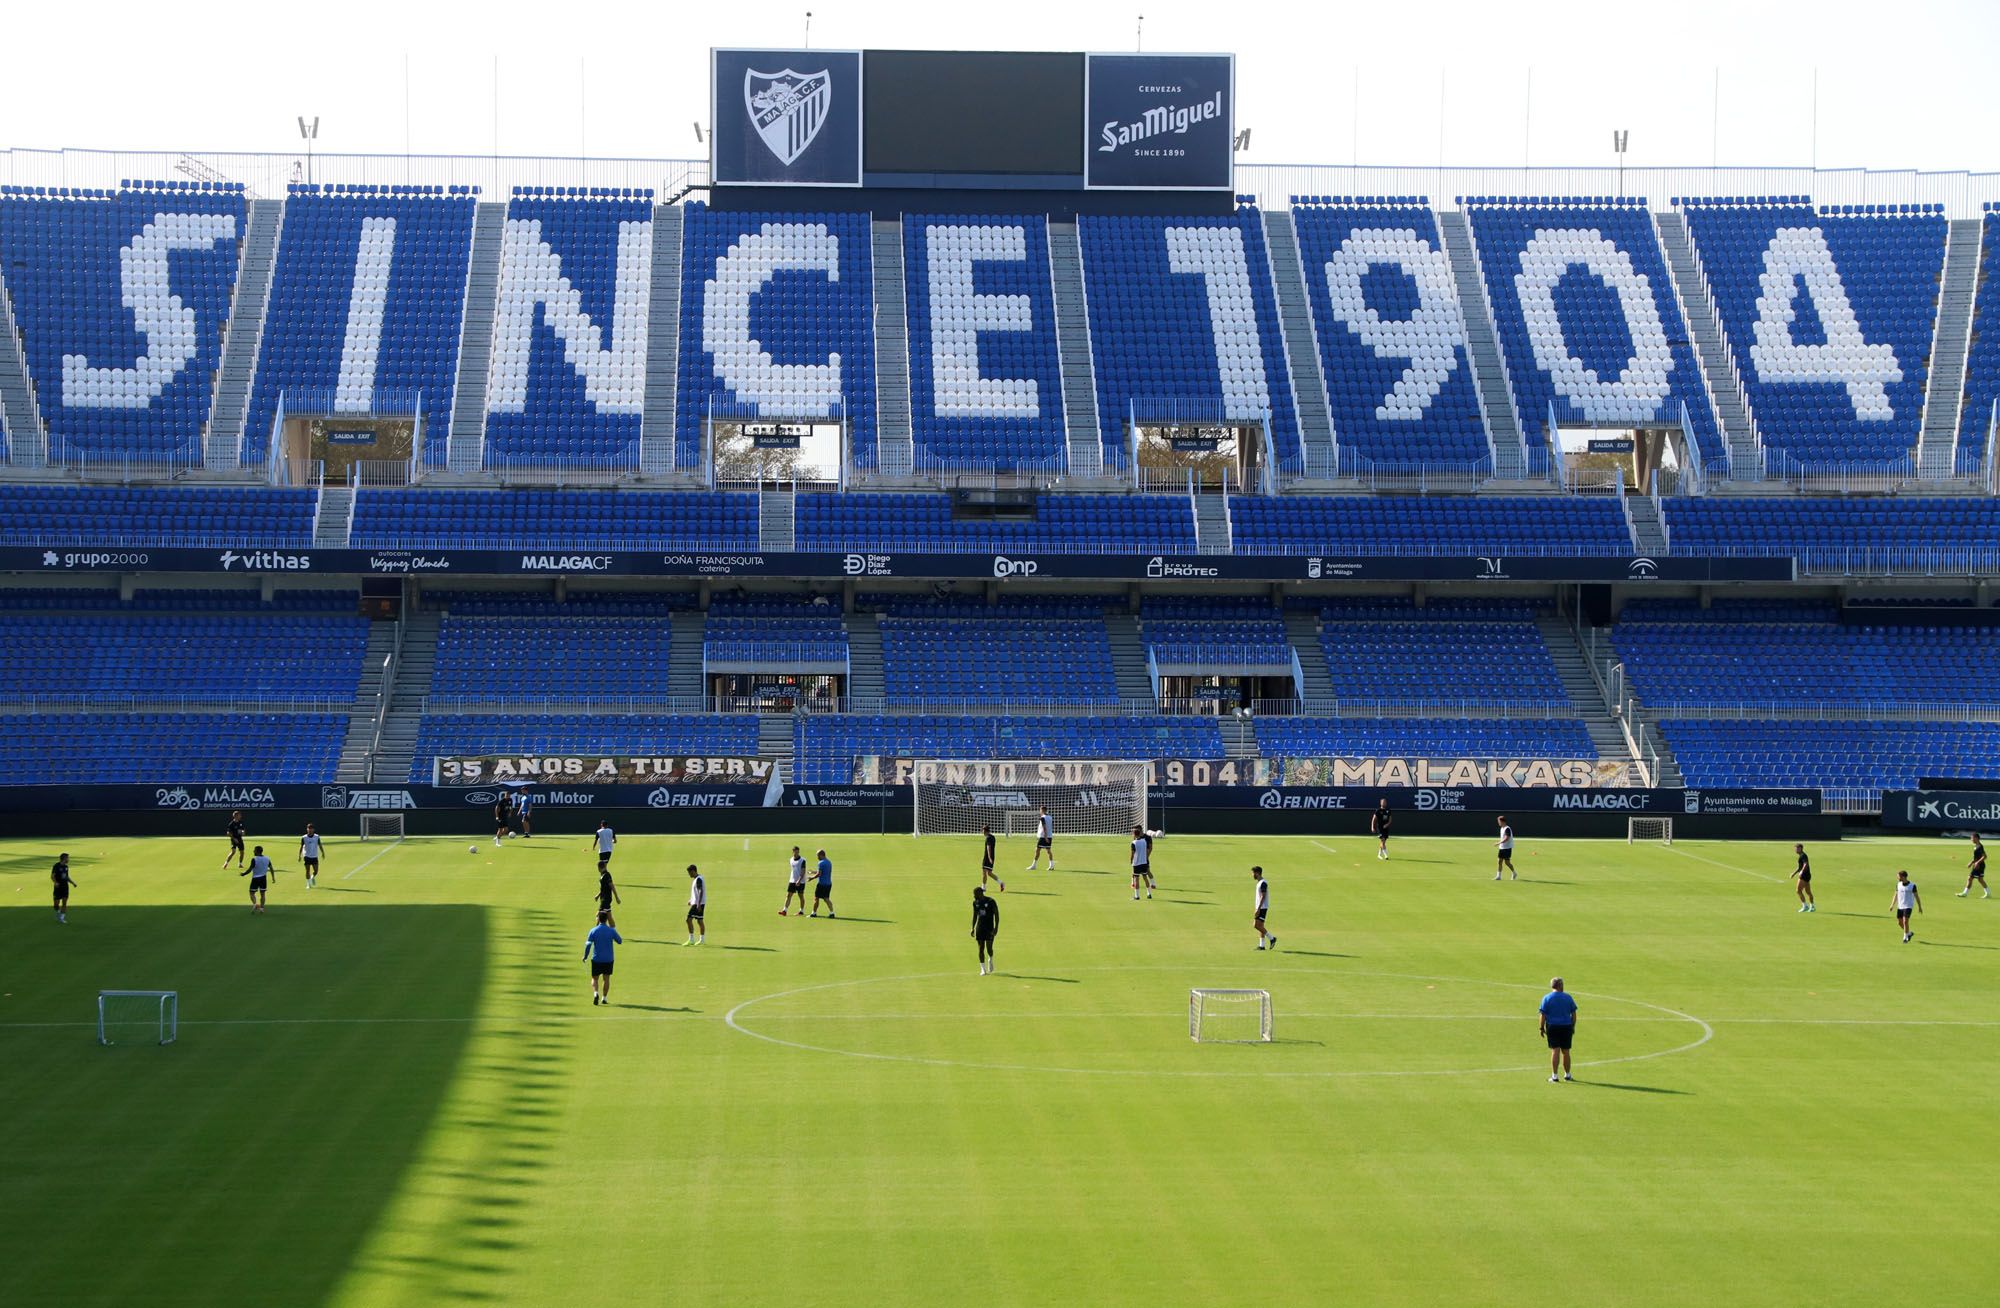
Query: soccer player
(503,817)
(795,883)
(1976,870)
(985,858)
(1558,1025)
(259,873)
(985,926)
(1045,838)
(1378,827)
(61,879)
(605,838)
(823,888)
(1505,850)
(697,905)
(599,946)
(1262,901)
(1907,899)
(1802,880)
(235,833)
(1142,861)
(607,893)
(309,855)
(522,803)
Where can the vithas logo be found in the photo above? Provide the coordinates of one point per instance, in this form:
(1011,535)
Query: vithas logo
(265,561)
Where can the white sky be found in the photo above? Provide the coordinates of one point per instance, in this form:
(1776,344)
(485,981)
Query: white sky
(1902,84)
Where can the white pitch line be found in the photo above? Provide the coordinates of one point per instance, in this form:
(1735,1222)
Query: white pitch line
(358,866)
(1727,867)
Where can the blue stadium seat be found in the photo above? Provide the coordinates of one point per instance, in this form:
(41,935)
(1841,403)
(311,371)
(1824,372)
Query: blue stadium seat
(827,745)
(1464,525)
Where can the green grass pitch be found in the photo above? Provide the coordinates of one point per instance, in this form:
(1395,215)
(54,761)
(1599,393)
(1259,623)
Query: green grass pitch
(394,1089)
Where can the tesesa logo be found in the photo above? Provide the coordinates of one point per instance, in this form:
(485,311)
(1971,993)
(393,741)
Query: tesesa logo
(1006,567)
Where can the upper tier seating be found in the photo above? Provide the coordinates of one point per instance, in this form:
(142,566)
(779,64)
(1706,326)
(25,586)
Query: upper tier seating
(1587,318)
(367,297)
(1432,738)
(1218,632)
(776,640)
(534,658)
(1676,656)
(1075,524)
(1982,363)
(1829,318)
(491,734)
(985,375)
(1860,533)
(568,374)
(777,321)
(202,600)
(992,660)
(574,604)
(60,749)
(1848,759)
(182,657)
(547,519)
(1183,309)
(1470,525)
(121,298)
(156,515)
(1450,656)
(826,745)
(1391,335)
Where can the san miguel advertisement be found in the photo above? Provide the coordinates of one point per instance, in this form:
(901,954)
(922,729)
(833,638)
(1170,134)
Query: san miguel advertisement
(599,770)
(1159,122)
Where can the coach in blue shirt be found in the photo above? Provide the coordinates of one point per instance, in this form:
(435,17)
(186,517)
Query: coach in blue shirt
(1558,1021)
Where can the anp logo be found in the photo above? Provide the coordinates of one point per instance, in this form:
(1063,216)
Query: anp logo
(787,108)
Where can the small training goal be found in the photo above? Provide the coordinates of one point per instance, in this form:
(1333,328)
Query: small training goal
(1650,829)
(1235,1017)
(1084,797)
(138,1016)
(381,826)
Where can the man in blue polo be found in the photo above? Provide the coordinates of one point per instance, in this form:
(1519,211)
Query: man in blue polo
(600,946)
(1558,1022)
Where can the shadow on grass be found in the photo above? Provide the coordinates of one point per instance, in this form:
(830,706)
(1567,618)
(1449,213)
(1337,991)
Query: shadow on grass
(872,921)
(748,949)
(1949,944)
(1635,1089)
(1023,976)
(653,1008)
(1316,953)
(1037,894)
(343,890)
(305,1107)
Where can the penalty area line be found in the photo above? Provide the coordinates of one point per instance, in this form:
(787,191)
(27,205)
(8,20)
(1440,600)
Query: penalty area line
(358,866)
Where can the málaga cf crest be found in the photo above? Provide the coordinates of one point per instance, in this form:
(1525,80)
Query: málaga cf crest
(787,108)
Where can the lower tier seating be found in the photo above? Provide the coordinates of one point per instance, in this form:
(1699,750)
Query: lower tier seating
(170,748)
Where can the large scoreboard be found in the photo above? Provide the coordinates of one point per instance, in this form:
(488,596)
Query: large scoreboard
(973,120)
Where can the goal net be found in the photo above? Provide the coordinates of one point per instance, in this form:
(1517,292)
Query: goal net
(381,826)
(1237,1017)
(1084,797)
(138,1017)
(1649,828)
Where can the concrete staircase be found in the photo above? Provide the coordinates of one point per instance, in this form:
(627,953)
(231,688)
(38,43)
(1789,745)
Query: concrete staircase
(1316,435)
(1489,370)
(475,341)
(1581,687)
(1128,658)
(1211,524)
(223,448)
(684,660)
(663,346)
(1079,371)
(406,699)
(895,449)
(1705,331)
(775,741)
(336,511)
(777,520)
(1649,534)
(1239,738)
(864,658)
(20,416)
(1302,630)
(1937,443)
(352,769)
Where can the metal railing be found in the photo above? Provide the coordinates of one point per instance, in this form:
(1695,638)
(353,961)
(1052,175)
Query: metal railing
(1751,710)
(385,694)
(176,702)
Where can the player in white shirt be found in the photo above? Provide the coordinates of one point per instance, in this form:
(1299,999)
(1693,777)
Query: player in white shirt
(1045,838)
(309,855)
(795,883)
(259,873)
(697,905)
(1907,900)
(1505,852)
(605,838)
(1262,903)
(1142,861)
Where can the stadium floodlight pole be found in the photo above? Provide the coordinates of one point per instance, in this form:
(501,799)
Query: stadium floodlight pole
(310,132)
(809,29)
(1139,34)
(1619,140)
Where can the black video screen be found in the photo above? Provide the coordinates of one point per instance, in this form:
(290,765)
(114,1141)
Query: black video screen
(932,111)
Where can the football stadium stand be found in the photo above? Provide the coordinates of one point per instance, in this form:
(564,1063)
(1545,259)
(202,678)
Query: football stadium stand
(1438,524)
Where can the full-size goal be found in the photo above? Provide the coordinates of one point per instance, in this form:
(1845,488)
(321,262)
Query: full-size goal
(138,1016)
(381,826)
(1649,828)
(1084,797)
(1237,1017)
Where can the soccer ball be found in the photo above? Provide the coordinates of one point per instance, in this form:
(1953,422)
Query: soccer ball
(472,849)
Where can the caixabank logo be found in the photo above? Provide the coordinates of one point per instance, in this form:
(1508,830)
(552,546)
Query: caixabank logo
(785,117)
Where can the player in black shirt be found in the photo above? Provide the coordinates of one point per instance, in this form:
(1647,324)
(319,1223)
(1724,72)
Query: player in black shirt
(1802,879)
(985,860)
(235,832)
(607,893)
(503,818)
(62,880)
(1378,826)
(985,926)
(1976,870)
